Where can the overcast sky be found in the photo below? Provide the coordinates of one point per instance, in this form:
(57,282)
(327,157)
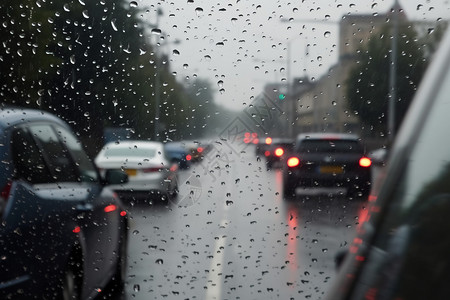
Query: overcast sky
(244,43)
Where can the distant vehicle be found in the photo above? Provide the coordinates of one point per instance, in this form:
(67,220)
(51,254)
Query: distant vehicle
(63,234)
(195,150)
(177,153)
(328,160)
(149,170)
(262,145)
(277,151)
(402,246)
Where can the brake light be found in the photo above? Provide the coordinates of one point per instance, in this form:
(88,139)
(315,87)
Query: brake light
(173,168)
(110,208)
(199,149)
(4,195)
(188,157)
(279,152)
(365,162)
(255,141)
(293,162)
(267,153)
(123,213)
(268,140)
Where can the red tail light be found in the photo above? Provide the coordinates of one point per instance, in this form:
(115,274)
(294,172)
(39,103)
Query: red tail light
(279,152)
(77,229)
(365,162)
(199,149)
(188,157)
(267,153)
(110,208)
(268,141)
(293,162)
(255,141)
(123,213)
(4,195)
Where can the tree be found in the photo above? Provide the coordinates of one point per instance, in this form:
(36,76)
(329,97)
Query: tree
(368,83)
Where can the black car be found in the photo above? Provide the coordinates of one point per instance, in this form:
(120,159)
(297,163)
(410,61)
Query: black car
(277,151)
(328,160)
(402,246)
(63,234)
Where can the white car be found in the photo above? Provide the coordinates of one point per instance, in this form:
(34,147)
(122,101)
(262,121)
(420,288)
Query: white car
(149,170)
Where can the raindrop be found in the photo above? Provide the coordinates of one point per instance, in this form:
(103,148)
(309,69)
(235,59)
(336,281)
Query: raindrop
(207,57)
(66,7)
(156,31)
(113,24)
(175,52)
(81,2)
(136,288)
(233,20)
(85,14)
(220,83)
(374,5)
(133,4)
(333,103)
(198,11)
(185,66)
(327,34)
(136,232)
(319,58)
(72,59)
(219,44)
(159,261)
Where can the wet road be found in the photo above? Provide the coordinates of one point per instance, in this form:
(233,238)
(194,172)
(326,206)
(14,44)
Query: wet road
(231,235)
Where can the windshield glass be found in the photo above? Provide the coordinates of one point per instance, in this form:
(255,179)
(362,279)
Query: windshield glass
(215,87)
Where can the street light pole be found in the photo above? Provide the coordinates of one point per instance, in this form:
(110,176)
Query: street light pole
(393,74)
(157,83)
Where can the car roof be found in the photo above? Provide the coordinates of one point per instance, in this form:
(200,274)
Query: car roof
(133,143)
(11,116)
(327,136)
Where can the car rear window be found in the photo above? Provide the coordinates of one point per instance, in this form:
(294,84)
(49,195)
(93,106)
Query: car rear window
(344,146)
(130,152)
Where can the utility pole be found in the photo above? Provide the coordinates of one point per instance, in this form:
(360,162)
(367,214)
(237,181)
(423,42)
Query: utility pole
(157,83)
(393,74)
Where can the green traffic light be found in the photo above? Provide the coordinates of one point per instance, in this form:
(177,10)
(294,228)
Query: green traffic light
(281,96)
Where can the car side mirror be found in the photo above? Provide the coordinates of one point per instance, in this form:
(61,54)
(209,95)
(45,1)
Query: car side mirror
(115,177)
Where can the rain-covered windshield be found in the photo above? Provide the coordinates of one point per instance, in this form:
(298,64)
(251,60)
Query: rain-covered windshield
(219,82)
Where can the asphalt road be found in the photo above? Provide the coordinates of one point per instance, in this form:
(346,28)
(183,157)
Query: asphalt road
(231,235)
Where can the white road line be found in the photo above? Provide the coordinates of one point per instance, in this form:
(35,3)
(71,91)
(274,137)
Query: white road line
(215,277)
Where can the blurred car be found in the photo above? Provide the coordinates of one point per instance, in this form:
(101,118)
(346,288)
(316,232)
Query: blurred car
(195,151)
(63,234)
(277,151)
(176,152)
(149,170)
(402,246)
(262,145)
(328,160)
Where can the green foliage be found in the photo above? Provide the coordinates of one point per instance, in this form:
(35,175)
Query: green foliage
(368,83)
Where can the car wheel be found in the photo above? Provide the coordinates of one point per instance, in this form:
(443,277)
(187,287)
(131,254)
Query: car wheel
(72,280)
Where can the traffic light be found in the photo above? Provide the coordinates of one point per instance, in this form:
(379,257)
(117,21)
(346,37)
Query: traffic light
(281,96)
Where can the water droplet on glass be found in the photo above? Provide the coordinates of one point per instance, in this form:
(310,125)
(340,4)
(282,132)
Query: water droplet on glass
(72,59)
(66,7)
(81,2)
(85,14)
(136,288)
(175,52)
(133,4)
(185,66)
(156,31)
(136,232)
(199,11)
(159,261)
(220,83)
(222,91)
(113,24)
(327,34)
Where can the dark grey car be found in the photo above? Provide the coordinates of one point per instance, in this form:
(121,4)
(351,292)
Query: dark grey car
(328,160)
(63,234)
